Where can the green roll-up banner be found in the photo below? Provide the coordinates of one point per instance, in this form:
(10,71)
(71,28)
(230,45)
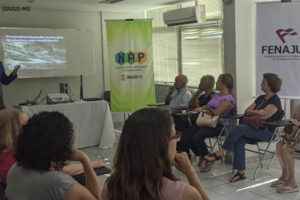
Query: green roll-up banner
(130,64)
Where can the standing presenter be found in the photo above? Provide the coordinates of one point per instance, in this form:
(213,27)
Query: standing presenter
(5,80)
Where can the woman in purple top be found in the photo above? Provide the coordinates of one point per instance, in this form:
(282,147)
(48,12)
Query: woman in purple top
(221,104)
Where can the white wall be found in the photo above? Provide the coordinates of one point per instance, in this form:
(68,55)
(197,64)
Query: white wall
(245,52)
(22,89)
(245,31)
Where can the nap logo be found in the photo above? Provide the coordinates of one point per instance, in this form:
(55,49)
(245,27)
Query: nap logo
(282,33)
(130,57)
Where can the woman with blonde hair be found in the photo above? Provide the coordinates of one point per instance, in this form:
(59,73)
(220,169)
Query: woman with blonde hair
(11,122)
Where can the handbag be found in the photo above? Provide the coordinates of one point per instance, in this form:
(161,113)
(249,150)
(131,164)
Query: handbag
(254,122)
(208,120)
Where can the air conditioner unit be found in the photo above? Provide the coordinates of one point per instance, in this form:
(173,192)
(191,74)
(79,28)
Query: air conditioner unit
(194,14)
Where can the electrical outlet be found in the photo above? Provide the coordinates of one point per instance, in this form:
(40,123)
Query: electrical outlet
(61,87)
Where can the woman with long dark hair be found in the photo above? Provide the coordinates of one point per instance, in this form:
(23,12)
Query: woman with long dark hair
(142,163)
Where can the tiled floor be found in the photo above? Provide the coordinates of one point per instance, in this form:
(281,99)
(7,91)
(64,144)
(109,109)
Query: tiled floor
(216,181)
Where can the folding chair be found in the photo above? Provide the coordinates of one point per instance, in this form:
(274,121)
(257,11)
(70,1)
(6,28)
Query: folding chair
(224,132)
(219,138)
(275,138)
(2,189)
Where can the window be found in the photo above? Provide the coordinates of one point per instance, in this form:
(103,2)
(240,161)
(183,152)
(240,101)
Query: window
(201,45)
(165,55)
(202,51)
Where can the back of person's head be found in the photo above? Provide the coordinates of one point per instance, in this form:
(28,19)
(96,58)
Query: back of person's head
(142,156)
(227,80)
(273,81)
(210,80)
(45,141)
(10,127)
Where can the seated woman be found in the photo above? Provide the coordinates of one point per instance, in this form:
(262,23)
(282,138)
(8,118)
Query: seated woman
(142,163)
(11,122)
(43,146)
(206,85)
(285,149)
(265,107)
(221,104)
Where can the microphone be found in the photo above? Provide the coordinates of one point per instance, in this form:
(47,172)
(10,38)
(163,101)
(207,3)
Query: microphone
(81,88)
(38,96)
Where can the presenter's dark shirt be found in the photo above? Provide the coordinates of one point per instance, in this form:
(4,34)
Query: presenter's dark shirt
(203,100)
(5,80)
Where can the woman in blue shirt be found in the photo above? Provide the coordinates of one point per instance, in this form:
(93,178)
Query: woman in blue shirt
(266,107)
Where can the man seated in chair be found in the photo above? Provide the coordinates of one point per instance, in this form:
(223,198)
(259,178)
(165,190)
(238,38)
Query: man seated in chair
(179,94)
(285,149)
(178,97)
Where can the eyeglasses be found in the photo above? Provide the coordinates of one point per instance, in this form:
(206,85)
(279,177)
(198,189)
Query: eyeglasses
(178,135)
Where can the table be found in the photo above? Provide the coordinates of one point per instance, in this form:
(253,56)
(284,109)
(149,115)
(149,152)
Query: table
(92,121)
(157,104)
(279,123)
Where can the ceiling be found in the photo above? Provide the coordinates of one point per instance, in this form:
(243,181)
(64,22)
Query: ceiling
(92,5)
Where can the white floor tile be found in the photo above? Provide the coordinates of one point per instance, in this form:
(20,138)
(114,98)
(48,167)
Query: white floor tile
(217,180)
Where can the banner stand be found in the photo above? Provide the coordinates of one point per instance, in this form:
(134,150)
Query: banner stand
(130,64)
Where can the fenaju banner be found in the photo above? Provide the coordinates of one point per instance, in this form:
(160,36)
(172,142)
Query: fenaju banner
(130,64)
(278,45)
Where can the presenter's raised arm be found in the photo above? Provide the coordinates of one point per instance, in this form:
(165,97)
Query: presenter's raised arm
(16,69)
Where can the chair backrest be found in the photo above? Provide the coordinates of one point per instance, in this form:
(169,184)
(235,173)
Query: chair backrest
(2,189)
(233,111)
(279,115)
(107,96)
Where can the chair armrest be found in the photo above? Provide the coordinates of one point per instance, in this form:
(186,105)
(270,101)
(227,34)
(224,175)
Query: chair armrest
(181,108)
(279,123)
(156,104)
(238,116)
(185,114)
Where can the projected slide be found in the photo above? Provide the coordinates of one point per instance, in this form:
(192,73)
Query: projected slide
(34,52)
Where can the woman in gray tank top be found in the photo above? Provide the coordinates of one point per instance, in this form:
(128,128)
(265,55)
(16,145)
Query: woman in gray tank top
(43,147)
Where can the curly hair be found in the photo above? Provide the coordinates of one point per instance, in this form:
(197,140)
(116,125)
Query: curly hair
(142,159)
(45,141)
(273,81)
